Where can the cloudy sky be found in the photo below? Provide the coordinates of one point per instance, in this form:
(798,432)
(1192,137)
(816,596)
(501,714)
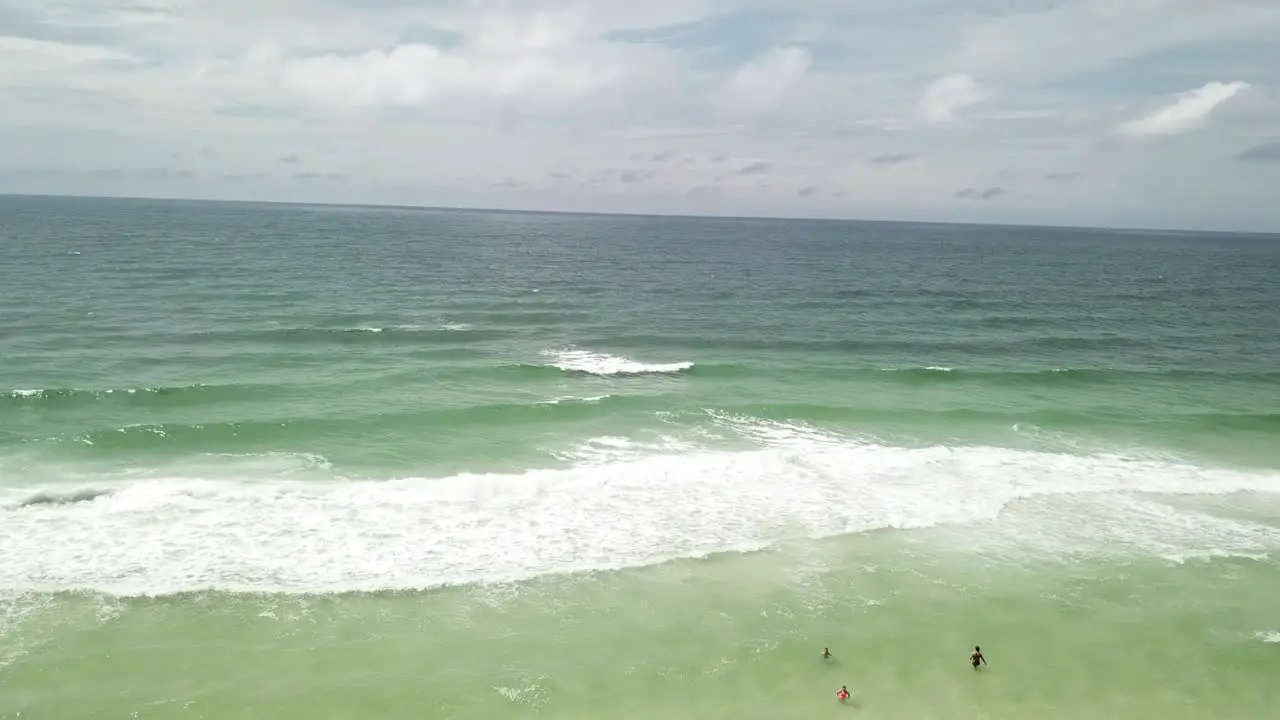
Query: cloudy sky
(1150,113)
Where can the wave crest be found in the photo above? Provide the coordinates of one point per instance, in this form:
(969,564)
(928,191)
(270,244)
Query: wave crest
(45,497)
(594,363)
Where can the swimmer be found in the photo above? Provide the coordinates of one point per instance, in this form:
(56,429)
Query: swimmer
(843,694)
(976,657)
(826,653)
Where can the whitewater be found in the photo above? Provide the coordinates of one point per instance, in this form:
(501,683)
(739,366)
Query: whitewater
(165,535)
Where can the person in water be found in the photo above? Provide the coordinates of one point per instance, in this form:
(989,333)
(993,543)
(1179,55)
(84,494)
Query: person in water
(826,653)
(843,694)
(976,658)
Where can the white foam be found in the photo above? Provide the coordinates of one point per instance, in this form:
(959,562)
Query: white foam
(626,506)
(30,620)
(1269,636)
(588,399)
(594,363)
(777,433)
(1124,524)
(608,449)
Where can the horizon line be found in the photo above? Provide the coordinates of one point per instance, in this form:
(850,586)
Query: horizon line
(624,214)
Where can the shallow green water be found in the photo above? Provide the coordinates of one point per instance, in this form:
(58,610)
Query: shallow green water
(332,462)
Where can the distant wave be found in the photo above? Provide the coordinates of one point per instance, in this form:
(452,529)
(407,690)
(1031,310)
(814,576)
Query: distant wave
(905,344)
(448,333)
(271,431)
(68,393)
(38,393)
(232,435)
(575,399)
(602,364)
(148,396)
(1061,376)
(1046,417)
(594,363)
(629,505)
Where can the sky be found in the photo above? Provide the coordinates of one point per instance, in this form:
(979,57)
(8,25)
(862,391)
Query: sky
(1135,113)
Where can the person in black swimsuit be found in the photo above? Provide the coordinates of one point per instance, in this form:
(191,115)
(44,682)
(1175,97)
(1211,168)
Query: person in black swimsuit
(976,658)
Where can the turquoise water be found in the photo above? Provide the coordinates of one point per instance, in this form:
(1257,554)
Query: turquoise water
(352,462)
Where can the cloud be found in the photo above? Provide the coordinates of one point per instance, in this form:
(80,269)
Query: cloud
(764,81)
(321,177)
(890,159)
(715,106)
(503,61)
(1189,112)
(946,96)
(1034,41)
(987,194)
(1264,153)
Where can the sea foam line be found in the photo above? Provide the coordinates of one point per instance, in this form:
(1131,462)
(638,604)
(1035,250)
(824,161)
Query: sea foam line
(175,534)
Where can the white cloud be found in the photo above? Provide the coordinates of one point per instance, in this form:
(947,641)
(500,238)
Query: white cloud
(647,105)
(765,80)
(946,96)
(414,74)
(1049,40)
(1187,113)
(20,57)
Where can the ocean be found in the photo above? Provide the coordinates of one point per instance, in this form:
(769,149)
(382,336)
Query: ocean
(339,462)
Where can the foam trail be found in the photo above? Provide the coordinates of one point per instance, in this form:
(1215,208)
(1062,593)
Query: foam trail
(590,399)
(608,450)
(1272,636)
(592,363)
(173,534)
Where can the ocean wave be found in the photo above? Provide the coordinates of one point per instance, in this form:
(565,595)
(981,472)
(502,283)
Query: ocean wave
(612,449)
(410,334)
(603,365)
(885,342)
(1050,376)
(575,399)
(67,497)
(594,363)
(176,534)
(225,436)
(1269,636)
(1022,420)
(1072,431)
(68,393)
